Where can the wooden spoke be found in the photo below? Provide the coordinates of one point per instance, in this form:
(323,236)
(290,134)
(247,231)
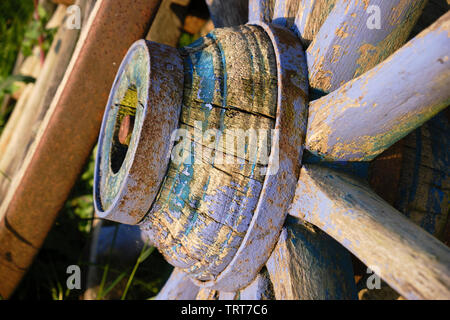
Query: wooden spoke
(367,115)
(309,264)
(355,37)
(310,17)
(284,12)
(227,295)
(412,261)
(259,289)
(178,287)
(227,13)
(260,10)
(206,294)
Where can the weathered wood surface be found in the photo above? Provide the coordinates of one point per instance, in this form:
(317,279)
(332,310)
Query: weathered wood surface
(261,10)
(227,13)
(310,18)
(204,208)
(408,258)
(304,17)
(207,294)
(350,42)
(259,289)
(370,113)
(178,287)
(307,264)
(66,136)
(284,12)
(424,193)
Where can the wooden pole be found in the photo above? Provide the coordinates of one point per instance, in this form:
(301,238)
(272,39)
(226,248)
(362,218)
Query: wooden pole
(367,115)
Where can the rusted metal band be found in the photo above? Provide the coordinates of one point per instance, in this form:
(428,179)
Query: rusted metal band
(134,146)
(279,187)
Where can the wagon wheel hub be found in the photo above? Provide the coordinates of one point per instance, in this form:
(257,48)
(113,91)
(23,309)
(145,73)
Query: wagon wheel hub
(202,146)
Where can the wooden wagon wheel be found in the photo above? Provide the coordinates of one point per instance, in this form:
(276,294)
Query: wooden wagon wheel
(249,224)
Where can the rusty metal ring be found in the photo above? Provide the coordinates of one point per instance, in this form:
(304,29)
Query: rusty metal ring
(145,101)
(279,185)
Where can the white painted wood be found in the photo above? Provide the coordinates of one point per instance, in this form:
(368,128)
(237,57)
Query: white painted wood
(178,287)
(409,259)
(368,114)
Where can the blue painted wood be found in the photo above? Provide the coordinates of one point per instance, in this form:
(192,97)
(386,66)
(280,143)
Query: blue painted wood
(307,264)
(284,164)
(260,10)
(424,195)
(204,207)
(370,113)
(349,43)
(409,259)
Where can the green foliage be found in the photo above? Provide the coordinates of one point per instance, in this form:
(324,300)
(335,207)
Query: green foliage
(14,18)
(19,32)
(35,29)
(186,39)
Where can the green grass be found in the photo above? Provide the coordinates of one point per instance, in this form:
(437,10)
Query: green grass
(68,243)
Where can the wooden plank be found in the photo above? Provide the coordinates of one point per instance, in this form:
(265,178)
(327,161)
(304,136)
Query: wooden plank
(356,36)
(259,289)
(370,113)
(178,287)
(260,10)
(409,259)
(227,13)
(308,264)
